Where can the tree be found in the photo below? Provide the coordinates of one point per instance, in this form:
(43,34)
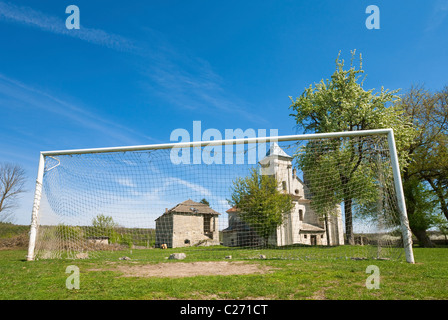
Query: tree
(342,104)
(205,201)
(104,226)
(103,222)
(332,177)
(441,225)
(12,184)
(428,162)
(260,204)
(421,209)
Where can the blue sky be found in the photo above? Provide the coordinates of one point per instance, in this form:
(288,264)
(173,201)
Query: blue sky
(137,70)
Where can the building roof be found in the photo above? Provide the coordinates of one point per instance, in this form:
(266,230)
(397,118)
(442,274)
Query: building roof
(233,209)
(192,207)
(310,228)
(275,150)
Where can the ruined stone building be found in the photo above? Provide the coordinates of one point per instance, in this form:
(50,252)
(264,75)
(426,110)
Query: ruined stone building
(188,223)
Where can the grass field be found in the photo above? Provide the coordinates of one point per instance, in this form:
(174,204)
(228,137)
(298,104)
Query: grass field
(107,277)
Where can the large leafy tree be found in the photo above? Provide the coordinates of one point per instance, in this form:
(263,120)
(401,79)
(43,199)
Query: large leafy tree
(342,104)
(332,176)
(421,208)
(259,203)
(428,162)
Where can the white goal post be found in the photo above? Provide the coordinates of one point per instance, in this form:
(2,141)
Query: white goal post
(388,133)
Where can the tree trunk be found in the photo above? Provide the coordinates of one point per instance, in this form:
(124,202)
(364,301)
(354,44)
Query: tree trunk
(350,238)
(327,231)
(266,241)
(439,192)
(423,239)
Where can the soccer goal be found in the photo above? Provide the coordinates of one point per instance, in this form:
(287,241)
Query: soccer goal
(336,195)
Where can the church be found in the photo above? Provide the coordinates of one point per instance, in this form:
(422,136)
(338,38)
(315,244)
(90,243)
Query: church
(301,225)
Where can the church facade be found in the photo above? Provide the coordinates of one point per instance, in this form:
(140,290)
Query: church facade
(301,225)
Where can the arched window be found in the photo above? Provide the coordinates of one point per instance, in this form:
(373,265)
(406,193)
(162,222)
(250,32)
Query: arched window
(301,215)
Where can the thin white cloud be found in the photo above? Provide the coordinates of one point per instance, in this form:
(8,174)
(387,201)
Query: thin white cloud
(438,15)
(196,188)
(22,94)
(33,18)
(126,182)
(185,81)
(191,84)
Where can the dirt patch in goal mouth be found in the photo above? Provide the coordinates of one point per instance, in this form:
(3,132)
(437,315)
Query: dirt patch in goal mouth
(191,269)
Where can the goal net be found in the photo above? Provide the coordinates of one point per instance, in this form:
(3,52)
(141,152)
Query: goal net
(297,197)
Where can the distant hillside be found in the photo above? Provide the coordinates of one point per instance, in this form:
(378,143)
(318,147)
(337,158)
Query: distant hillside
(13,236)
(8,230)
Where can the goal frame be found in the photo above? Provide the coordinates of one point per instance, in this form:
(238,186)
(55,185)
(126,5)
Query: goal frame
(404,222)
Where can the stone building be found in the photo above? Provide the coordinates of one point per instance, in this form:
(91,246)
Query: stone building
(187,224)
(300,226)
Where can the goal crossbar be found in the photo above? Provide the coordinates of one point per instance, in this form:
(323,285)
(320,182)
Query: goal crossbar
(193,144)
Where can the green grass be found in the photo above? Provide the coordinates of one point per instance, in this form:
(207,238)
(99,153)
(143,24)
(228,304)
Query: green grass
(304,278)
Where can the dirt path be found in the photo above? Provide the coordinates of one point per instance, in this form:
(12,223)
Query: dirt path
(190,269)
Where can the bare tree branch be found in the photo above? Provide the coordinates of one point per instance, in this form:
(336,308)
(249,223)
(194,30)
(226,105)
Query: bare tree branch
(12,184)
